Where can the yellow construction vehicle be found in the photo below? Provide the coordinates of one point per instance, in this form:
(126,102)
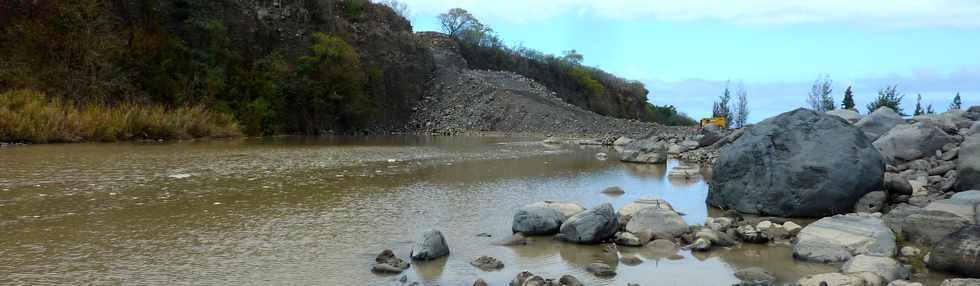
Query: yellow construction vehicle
(716,121)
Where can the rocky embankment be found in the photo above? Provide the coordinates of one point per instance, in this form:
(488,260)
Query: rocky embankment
(460,100)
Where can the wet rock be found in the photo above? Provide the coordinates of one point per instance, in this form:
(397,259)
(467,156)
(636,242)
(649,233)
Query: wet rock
(431,246)
(909,142)
(537,221)
(816,165)
(480,282)
(879,122)
(569,280)
(833,279)
(626,212)
(701,244)
(567,209)
(600,270)
(838,238)
(630,260)
(749,234)
(614,191)
(871,202)
(645,151)
(754,276)
(961,282)
(656,223)
(958,253)
(715,237)
(886,267)
(626,239)
(851,116)
(661,248)
(487,263)
(968,164)
(922,226)
(387,262)
(521,277)
(592,226)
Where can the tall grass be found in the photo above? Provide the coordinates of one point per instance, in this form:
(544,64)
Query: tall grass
(29,116)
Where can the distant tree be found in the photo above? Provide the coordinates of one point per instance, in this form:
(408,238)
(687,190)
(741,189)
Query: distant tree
(848,99)
(721,108)
(741,117)
(918,106)
(888,97)
(819,98)
(573,56)
(957,103)
(456,21)
(929,110)
(399,7)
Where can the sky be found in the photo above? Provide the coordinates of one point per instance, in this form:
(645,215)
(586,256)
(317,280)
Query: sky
(685,52)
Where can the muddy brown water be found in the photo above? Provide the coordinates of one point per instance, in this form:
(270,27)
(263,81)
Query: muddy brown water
(315,211)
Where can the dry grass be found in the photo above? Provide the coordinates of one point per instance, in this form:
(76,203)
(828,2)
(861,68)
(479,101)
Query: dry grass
(29,116)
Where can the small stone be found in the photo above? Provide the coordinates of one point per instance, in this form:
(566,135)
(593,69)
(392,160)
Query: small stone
(909,251)
(487,263)
(480,282)
(600,270)
(630,260)
(614,191)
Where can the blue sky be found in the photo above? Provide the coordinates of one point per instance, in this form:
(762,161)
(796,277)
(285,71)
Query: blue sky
(685,52)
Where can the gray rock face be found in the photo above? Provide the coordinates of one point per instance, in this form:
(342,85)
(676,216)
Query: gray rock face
(591,226)
(950,121)
(645,151)
(849,115)
(958,253)
(886,267)
(838,238)
(922,226)
(800,164)
(656,223)
(871,203)
(431,246)
(968,164)
(909,142)
(965,209)
(537,221)
(710,135)
(879,122)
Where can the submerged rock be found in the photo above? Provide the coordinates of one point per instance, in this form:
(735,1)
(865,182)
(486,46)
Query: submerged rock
(958,253)
(431,246)
(815,165)
(838,238)
(592,226)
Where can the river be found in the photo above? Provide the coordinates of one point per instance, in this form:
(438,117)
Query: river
(315,211)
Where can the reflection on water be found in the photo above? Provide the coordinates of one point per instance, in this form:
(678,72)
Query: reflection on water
(317,210)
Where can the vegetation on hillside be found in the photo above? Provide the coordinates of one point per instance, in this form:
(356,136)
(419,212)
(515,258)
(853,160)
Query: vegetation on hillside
(584,86)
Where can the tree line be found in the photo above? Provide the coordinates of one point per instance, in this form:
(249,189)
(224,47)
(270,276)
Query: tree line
(821,99)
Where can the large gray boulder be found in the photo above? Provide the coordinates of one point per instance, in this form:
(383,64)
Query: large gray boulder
(710,135)
(968,164)
(431,246)
(958,253)
(591,226)
(626,212)
(656,223)
(567,209)
(648,151)
(912,141)
(922,226)
(801,164)
(879,122)
(838,238)
(850,115)
(886,267)
(537,220)
(951,121)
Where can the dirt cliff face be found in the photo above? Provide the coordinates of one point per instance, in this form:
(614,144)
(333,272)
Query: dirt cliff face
(397,64)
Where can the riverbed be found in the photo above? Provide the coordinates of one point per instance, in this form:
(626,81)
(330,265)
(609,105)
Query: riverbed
(305,211)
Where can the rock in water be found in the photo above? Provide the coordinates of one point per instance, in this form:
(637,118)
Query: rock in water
(487,263)
(387,262)
(592,226)
(838,238)
(645,151)
(600,270)
(968,164)
(566,209)
(879,122)
(800,163)
(958,253)
(886,267)
(537,221)
(909,142)
(754,276)
(627,211)
(656,223)
(431,246)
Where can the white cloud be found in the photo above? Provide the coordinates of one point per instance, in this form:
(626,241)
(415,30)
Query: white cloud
(887,13)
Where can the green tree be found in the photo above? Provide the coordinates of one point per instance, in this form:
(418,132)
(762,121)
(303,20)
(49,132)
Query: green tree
(957,103)
(721,108)
(929,110)
(918,106)
(819,98)
(330,91)
(456,21)
(848,102)
(741,116)
(888,97)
